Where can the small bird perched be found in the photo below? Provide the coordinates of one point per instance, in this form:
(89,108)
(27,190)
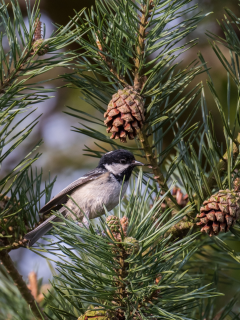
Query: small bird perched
(98,188)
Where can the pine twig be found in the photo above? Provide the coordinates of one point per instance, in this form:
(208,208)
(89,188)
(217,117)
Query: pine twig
(138,79)
(109,63)
(15,73)
(21,285)
(138,84)
(122,272)
(221,166)
(158,176)
(181,229)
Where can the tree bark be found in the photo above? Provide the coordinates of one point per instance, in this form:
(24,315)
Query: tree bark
(21,285)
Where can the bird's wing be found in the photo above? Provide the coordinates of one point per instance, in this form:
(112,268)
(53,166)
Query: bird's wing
(62,197)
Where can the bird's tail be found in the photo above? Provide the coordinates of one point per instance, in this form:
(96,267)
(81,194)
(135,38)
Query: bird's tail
(43,228)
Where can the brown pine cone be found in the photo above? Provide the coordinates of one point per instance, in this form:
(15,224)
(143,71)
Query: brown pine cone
(125,114)
(219,212)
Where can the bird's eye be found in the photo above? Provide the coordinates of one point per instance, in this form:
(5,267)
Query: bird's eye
(123,161)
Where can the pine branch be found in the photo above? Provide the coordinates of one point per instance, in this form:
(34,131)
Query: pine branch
(120,276)
(158,176)
(138,84)
(116,41)
(122,272)
(14,74)
(110,64)
(221,167)
(18,66)
(26,44)
(21,285)
(181,229)
(143,24)
(139,81)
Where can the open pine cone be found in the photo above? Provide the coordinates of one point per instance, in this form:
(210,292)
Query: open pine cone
(219,212)
(125,114)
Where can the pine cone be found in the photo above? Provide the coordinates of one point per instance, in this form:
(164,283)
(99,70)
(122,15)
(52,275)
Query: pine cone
(219,212)
(125,114)
(38,29)
(124,223)
(113,223)
(38,39)
(39,48)
(92,313)
(131,245)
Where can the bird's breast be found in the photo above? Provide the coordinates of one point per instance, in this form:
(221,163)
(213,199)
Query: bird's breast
(94,195)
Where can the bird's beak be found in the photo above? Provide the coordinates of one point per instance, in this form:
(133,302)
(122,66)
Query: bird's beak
(137,163)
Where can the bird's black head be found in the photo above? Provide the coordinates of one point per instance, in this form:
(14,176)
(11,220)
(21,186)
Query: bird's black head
(120,163)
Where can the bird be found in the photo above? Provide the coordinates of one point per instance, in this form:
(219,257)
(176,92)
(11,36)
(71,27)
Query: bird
(100,188)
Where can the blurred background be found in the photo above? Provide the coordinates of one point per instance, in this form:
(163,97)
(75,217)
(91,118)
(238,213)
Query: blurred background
(62,153)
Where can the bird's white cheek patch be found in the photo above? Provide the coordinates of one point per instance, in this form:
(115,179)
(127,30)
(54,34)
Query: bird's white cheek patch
(116,168)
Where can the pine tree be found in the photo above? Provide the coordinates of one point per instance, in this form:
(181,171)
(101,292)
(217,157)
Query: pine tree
(28,55)
(166,251)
